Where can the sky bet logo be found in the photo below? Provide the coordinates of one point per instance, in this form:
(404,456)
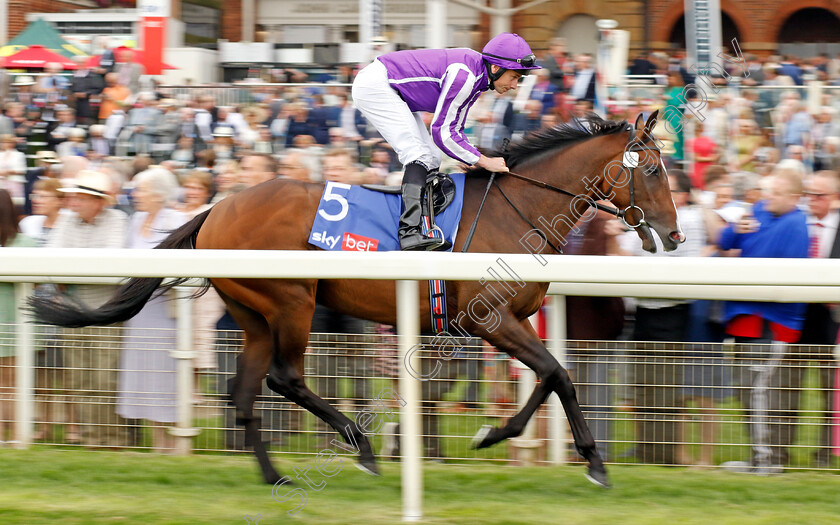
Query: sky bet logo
(358,243)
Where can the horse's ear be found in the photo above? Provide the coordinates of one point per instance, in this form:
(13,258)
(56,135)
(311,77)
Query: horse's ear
(639,121)
(651,122)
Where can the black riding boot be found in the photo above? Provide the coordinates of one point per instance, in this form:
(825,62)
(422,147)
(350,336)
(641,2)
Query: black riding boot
(413,185)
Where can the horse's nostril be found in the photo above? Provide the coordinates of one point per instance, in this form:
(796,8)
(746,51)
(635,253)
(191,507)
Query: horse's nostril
(677,236)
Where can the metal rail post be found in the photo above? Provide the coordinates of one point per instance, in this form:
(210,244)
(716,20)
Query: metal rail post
(24,369)
(411,441)
(557,434)
(184,353)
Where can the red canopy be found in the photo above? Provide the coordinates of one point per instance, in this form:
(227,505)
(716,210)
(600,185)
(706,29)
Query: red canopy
(36,57)
(136,56)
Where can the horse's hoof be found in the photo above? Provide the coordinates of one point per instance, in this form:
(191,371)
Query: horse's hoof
(368,466)
(598,476)
(478,441)
(274,478)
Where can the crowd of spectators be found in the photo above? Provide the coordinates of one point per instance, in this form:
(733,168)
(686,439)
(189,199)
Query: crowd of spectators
(105,157)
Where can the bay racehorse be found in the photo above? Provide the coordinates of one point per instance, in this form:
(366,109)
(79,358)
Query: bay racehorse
(558,171)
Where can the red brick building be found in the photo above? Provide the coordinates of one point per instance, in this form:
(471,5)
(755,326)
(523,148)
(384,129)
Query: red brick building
(18,9)
(760,25)
(231,24)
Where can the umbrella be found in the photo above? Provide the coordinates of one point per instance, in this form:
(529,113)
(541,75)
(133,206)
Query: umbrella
(41,33)
(136,56)
(36,57)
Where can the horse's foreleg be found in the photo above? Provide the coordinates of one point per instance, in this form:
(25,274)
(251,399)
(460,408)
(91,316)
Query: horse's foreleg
(488,435)
(521,342)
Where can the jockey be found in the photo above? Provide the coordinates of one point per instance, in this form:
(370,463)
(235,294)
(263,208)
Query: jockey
(393,90)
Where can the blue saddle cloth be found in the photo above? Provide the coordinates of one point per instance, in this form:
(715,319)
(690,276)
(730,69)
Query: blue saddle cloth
(351,218)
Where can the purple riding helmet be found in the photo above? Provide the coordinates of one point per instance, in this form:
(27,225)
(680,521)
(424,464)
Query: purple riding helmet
(509,51)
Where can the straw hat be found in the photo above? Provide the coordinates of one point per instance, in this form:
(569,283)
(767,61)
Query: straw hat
(223,131)
(91,183)
(46,155)
(23,80)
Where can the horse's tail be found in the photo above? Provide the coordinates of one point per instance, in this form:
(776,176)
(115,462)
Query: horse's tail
(129,298)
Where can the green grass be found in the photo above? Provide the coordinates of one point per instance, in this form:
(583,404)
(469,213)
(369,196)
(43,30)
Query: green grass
(42,486)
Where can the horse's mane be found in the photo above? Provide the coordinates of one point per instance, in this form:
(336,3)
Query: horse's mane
(558,137)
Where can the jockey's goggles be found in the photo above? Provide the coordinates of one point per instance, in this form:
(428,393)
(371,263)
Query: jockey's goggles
(526,61)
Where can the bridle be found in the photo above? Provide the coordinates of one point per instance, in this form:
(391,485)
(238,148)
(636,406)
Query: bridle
(630,162)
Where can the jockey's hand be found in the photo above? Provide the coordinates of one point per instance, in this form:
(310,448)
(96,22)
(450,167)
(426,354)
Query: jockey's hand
(494,164)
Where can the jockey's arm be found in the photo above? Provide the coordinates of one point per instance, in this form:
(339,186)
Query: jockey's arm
(455,100)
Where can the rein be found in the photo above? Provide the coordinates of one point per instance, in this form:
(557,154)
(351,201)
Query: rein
(609,209)
(629,162)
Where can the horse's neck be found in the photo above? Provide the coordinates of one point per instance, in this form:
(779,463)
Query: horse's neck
(553,213)
(550,211)
(501,229)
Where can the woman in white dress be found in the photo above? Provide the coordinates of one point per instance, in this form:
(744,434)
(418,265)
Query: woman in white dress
(12,168)
(147,378)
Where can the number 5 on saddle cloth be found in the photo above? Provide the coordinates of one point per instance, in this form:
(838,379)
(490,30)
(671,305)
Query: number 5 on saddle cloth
(366,218)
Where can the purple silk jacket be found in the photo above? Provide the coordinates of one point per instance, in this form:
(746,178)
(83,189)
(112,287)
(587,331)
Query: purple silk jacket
(446,82)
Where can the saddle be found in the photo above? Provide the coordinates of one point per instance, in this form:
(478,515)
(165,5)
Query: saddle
(439,185)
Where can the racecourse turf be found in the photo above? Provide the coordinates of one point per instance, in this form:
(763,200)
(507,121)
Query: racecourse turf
(46,486)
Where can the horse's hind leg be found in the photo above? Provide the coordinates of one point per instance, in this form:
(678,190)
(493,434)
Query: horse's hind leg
(286,378)
(252,367)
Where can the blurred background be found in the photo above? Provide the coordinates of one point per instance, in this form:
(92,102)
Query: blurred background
(180,104)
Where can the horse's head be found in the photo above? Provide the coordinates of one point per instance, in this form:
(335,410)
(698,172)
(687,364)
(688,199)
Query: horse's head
(639,182)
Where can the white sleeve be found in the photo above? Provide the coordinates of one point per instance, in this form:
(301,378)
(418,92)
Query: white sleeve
(202,122)
(19,163)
